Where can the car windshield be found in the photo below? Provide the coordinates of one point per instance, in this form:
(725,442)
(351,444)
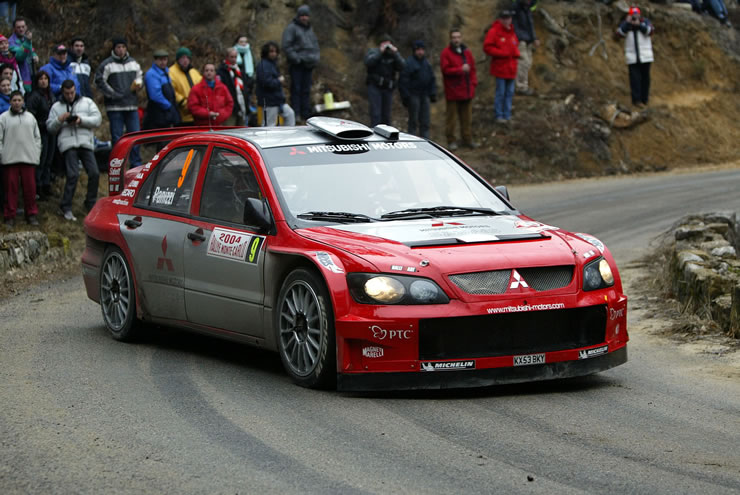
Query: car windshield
(319,184)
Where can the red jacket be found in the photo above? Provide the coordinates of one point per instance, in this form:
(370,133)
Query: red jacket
(203,99)
(458,84)
(503,47)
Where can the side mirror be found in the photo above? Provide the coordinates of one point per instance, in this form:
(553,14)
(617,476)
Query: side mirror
(503,191)
(258,214)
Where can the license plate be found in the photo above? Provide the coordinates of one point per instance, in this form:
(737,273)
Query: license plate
(529,359)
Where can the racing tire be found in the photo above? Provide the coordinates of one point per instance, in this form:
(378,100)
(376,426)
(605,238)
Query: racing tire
(304,322)
(118,296)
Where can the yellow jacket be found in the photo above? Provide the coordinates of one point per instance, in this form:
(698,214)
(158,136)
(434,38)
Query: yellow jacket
(182,88)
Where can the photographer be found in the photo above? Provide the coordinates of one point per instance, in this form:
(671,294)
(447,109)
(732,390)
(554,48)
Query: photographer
(383,65)
(638,50)
(74,118)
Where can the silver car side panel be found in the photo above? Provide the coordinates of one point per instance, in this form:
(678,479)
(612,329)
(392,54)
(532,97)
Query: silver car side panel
(224,285)
(156,247)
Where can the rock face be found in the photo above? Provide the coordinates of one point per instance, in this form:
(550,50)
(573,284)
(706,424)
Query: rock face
(705,269)
(24,248)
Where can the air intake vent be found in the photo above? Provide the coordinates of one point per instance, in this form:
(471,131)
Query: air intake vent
(483,283)
(547,277)
(340,128)
(497,281)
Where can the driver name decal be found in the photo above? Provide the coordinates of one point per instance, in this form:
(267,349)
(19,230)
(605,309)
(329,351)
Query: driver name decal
(234,245)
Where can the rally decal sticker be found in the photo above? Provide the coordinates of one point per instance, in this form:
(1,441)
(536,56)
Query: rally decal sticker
(593,241)
(372,352)
(596,351)
(529,359)
(327,262)
(234,245)
(448,366)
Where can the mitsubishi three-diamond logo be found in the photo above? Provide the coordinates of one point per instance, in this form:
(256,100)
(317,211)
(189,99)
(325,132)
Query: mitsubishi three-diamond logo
(163,260)
(517,281)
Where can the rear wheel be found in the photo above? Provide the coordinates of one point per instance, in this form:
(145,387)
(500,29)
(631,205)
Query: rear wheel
(117,296)
(305,326)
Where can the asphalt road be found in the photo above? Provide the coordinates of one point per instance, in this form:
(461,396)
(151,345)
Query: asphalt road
(181,413)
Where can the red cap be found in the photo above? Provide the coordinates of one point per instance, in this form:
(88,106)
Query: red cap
(633,11)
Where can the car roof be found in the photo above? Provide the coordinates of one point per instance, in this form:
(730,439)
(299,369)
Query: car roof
(275,137)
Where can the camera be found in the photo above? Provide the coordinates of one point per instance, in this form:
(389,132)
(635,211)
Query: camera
(71,119)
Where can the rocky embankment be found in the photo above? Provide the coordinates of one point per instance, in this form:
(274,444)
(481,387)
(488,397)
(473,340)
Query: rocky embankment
(704,270)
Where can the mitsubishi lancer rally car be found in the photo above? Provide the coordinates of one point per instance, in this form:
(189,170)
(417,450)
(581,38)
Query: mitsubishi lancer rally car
(367,258)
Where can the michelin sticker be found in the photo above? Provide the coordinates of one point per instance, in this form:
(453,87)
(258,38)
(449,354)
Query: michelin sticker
(448,366)
(589,353)
(593,241)
(234,245)
(328,263)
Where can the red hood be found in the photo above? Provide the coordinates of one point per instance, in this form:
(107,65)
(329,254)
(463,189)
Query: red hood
(455,245)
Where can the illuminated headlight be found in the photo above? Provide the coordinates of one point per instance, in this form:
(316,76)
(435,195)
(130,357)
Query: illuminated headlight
(597,275)
(371,288)
(385,290)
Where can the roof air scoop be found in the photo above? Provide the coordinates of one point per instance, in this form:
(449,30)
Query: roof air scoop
(386,131)
(340,128)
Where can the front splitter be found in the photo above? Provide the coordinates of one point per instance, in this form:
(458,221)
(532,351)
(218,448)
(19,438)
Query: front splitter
(370,382)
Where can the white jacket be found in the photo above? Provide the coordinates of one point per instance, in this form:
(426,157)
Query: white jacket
(70,135)
(636,42)
(20,139)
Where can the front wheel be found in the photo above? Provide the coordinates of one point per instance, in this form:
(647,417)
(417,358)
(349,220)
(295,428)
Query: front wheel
(117,296)
(305,326)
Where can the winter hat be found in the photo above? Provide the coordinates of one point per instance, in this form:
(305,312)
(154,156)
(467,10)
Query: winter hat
(160,53)
(304,10)
(119,40)
(633,11)
(3,38)
(506,13)
(418,44)
(183,51)
(60,49)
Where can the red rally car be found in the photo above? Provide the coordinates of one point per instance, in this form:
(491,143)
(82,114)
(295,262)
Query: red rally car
(368,258)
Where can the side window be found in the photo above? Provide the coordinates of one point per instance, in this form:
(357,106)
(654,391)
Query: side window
(229,182)
(171,186)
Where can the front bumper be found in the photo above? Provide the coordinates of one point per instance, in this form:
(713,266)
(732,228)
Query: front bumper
(368,382)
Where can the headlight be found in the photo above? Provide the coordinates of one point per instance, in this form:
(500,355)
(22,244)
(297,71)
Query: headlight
(376,288)
(597,275)
(386,290)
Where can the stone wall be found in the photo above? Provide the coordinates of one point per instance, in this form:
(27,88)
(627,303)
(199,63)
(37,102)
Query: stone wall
(22,249)
(704,270)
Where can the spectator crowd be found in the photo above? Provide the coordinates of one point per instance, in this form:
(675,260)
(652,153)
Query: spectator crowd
(48,117)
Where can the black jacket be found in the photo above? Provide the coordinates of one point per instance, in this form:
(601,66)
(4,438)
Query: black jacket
(269,87)
(224,74)
(39,103)
(382,68)
(523,21)
(417,78)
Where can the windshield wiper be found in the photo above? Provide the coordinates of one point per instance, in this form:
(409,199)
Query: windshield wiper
(439,211)
(336,216)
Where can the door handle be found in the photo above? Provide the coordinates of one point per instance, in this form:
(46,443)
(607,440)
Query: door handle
(195,236)
(133,223)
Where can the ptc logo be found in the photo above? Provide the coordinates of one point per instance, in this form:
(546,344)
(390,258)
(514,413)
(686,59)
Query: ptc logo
(517,280)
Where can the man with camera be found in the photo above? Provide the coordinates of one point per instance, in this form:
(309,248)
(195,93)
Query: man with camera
(383,65)
(74,118)
(638,50)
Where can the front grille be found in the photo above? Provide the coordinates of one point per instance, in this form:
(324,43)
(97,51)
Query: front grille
(497,281)
(523,332)
(547,277)
(481,283)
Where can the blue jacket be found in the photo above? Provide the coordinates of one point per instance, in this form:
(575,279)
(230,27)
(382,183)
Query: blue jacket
(59,73)
(4,103)
(269,87)
(417,78)
(161,111)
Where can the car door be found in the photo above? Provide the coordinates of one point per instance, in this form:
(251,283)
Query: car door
(224,265)
(157,230)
